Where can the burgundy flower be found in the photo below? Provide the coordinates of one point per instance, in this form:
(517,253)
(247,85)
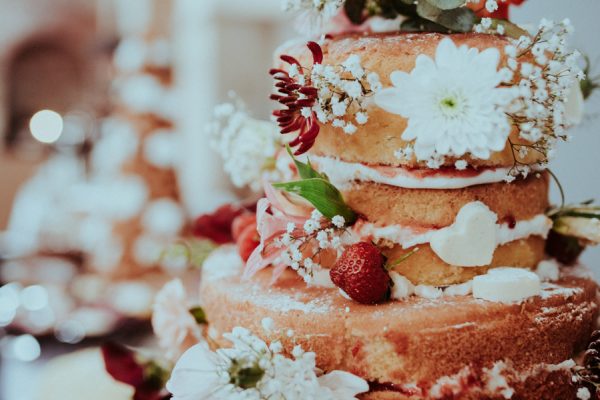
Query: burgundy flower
(295,97)
(216,226)
(122,365)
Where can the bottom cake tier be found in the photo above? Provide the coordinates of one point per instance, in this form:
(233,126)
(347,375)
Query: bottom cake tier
(453,347)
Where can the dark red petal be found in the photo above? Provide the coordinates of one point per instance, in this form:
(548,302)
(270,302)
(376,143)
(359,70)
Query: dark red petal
(285,120)
(305,102)
(316,51)
(289,59)
(312,131)
(309,91)
(304,148)
(275,71)
(294,126)
(293,86)
(121,364)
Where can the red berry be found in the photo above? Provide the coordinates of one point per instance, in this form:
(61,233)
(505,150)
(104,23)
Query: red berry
(247,241)
(240,223)
(361,274)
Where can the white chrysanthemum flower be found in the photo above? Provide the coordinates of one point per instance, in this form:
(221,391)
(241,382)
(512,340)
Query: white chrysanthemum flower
(253,370)
(453,103)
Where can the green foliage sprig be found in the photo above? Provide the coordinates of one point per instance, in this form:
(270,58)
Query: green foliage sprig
(317,190)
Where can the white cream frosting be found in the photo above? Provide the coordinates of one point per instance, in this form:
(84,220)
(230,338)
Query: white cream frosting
(408,237)
(342,174)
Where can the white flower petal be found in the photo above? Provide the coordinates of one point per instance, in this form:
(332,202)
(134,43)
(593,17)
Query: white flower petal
(195,375)
(343,385)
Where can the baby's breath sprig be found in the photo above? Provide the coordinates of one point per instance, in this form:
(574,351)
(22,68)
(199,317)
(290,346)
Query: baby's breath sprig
(304,247)
(540,96)
(329,94)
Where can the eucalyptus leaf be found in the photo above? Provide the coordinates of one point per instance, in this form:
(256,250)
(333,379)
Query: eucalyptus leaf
(199,315)
(447,4)
(428,11)
(322,195)
(419,24)
(457,20)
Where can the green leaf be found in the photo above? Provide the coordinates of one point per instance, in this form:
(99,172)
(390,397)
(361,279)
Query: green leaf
(447,4)
(354,10)
(457,20)
(305,170)
(322,195)
(199,315)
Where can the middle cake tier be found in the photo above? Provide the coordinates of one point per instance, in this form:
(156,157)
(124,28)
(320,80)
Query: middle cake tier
(405,212)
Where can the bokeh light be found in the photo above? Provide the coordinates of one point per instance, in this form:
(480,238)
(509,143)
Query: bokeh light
(46,126)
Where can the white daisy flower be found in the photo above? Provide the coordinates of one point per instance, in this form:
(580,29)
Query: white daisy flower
(253,370)
(453,103)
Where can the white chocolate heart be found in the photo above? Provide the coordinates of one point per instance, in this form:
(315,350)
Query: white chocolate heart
(506,285)
(471,240)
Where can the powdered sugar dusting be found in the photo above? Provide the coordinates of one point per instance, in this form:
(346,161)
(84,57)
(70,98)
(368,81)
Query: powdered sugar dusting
(550,290)
(222,263)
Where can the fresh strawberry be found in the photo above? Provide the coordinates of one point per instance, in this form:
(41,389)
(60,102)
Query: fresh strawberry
(247,241)
(361,274)
(240,223)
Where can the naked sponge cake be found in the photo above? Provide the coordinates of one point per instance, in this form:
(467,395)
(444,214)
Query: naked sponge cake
(405,246)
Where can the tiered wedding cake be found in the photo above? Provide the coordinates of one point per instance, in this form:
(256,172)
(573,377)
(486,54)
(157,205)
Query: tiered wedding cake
(406,255)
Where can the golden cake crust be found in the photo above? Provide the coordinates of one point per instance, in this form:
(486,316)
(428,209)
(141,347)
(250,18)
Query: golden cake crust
(413,341)
(435,208)
(376,141)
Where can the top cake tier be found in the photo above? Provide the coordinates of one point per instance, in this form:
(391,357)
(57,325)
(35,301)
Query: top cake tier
(430,99)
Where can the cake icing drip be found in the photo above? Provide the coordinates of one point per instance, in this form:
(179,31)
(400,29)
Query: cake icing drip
(343,173)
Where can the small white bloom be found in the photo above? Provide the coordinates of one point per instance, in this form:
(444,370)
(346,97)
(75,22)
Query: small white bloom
(316,215)
(583,393)
(290,227)
(491,5)
(460,164)
(361,118)
(310,226)
(338,221)
(175,327)
(350,128)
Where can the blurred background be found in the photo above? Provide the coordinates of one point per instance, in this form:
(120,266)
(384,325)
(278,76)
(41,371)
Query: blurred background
(104,156)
